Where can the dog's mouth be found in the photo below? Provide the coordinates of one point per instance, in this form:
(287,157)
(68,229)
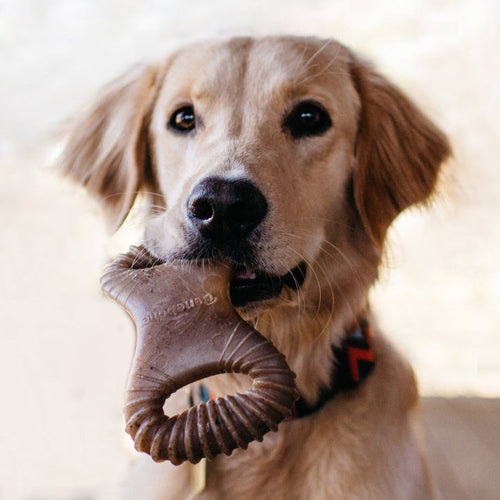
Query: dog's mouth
(248,285)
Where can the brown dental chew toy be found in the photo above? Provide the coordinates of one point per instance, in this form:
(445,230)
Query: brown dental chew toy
(187,329)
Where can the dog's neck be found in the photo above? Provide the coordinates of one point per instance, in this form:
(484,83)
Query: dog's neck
(353,361)
(309,342)
(306,337)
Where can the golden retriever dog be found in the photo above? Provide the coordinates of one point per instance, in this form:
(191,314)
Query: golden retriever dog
(289,158)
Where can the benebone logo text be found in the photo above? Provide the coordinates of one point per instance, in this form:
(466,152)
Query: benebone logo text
(182,307)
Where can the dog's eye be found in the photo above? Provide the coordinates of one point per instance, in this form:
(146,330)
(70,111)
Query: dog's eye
(307,119)
(183,120)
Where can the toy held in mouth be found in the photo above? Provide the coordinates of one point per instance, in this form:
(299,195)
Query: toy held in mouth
(187,329)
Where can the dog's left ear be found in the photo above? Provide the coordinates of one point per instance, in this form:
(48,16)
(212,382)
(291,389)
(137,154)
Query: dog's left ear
(399,152)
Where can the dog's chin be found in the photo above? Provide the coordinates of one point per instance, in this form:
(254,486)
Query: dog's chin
(249,289)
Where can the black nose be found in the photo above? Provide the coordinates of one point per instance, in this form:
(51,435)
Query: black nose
(224,209)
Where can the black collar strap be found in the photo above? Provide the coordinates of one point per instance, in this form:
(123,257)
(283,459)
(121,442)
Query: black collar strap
(353,361)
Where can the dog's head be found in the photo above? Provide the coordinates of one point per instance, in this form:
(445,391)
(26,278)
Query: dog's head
(286,157)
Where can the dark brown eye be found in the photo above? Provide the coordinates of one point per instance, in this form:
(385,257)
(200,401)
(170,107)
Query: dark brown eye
(183,120)
(307,119)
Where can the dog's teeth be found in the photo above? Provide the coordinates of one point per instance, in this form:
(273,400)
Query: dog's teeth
(246,274)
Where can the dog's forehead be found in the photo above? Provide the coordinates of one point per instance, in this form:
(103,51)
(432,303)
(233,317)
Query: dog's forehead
(260,68)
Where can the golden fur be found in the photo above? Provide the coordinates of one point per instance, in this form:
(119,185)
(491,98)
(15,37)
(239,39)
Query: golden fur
(332,199)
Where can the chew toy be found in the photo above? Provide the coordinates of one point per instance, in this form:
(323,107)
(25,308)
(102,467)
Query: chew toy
(187,329)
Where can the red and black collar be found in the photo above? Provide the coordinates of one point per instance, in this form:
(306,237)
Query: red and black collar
(353,361)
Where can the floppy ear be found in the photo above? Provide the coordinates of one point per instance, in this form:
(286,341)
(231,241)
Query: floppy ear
(107,151)
(399,152)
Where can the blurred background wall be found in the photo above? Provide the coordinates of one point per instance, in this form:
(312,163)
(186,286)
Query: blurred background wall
(64,350)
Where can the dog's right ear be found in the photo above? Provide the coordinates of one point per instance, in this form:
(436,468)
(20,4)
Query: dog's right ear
(107,149)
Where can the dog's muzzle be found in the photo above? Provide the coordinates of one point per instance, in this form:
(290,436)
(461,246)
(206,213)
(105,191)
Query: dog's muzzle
(226,215)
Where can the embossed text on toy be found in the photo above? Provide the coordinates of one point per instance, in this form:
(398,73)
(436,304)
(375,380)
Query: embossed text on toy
(181,308)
